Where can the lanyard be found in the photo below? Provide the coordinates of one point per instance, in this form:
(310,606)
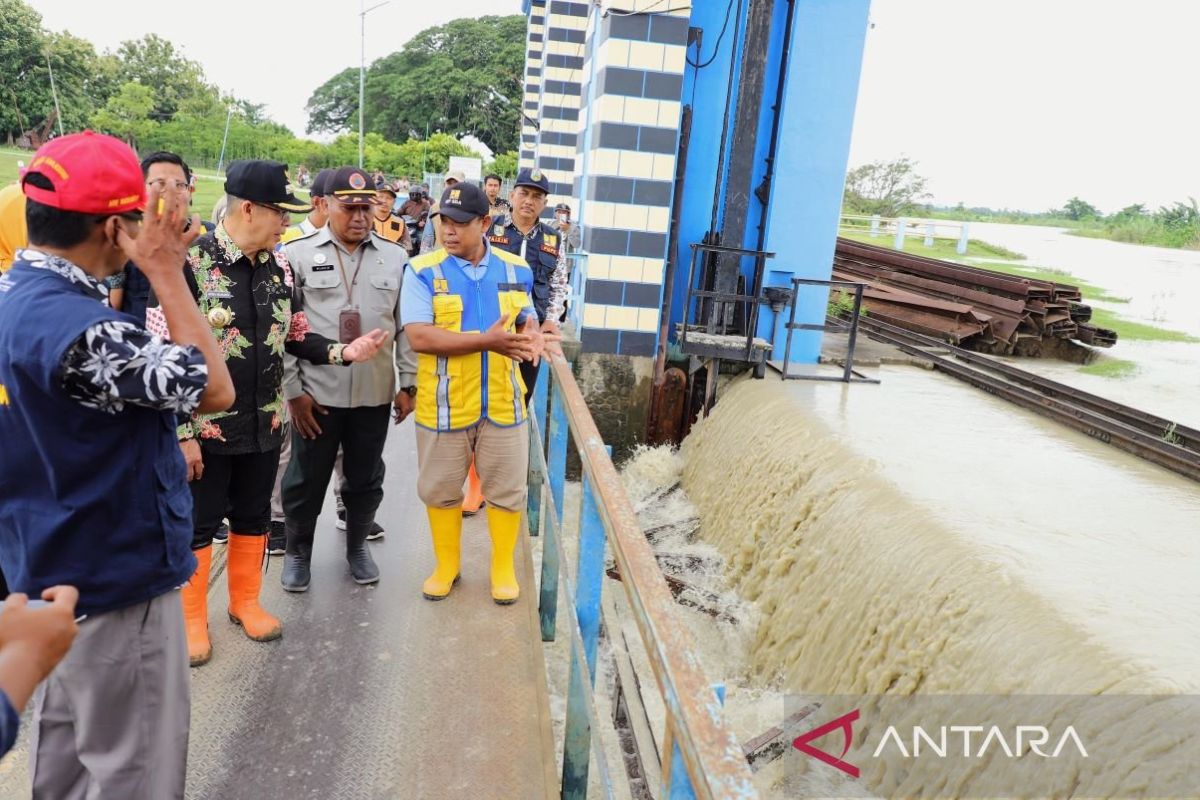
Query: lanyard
(337,251)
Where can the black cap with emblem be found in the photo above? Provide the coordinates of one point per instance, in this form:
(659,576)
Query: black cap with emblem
(263,182)
(464,202)
(532,178)
(351,186)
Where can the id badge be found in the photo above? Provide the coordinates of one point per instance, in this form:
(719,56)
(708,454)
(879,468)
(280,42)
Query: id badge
(349,325)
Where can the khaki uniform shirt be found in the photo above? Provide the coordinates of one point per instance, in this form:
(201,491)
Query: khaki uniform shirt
(376,294)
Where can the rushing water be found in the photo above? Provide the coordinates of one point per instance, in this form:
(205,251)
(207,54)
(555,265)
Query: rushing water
(922,536)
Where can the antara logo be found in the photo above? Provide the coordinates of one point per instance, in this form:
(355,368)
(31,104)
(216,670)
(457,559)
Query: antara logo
(1025,739)
(843,722)
(3,395)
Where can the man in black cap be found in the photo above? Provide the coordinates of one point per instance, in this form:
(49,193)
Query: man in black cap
(349,278)
(521,232)
(246,293)
(468,313)
(318,216)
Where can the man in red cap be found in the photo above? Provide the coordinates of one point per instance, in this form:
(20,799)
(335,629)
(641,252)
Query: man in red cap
(95,488)
(245,291)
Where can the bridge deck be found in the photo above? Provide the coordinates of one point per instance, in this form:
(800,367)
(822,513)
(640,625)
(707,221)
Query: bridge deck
(373,692)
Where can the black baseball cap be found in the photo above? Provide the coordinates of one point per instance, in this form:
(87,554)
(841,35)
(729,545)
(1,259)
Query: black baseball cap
(532,178)
(319,182)
(263,182)
(464,202)
(351,186)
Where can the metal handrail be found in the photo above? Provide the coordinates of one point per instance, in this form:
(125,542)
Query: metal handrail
(696,729)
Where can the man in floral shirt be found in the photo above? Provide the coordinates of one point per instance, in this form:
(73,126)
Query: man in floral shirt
(245,291)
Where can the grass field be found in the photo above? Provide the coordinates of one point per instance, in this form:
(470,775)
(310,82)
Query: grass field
(1116,368)
(942,248)
(209,185)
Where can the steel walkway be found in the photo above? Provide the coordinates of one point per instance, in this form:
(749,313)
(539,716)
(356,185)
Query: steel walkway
(373,692)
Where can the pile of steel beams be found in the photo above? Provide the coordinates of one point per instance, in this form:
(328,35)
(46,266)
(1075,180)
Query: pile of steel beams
(964,305)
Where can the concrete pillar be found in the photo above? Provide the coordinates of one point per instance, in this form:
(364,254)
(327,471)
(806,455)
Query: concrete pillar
(535,14)
(825,62)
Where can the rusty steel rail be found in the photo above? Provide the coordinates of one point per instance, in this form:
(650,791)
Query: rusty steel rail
(713,759)
(1147,436)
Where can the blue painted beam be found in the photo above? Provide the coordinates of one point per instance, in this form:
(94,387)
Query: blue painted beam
(820,92)
(557,469)
(589,573)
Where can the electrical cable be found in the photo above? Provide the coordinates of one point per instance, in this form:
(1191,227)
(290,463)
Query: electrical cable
(720,37)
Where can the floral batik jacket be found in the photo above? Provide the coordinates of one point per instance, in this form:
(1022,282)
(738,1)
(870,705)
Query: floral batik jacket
(256,315)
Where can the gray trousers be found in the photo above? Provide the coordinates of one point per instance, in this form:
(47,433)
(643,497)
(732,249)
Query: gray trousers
(112,719)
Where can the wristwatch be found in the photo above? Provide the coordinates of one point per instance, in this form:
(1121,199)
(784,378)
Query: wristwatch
(411,391)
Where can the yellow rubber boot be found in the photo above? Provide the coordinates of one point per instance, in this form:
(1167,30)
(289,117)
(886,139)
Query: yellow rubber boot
(504,526)
(473,500)
(244,571)
(195,609)
(446,526)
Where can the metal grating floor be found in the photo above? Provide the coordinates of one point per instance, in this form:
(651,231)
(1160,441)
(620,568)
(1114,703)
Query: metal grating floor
(372,692)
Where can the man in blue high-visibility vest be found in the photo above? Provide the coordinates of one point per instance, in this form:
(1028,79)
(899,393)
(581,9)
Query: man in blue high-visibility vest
(463,305)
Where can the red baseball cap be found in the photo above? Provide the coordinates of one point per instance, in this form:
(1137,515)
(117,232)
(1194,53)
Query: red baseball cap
(91,174)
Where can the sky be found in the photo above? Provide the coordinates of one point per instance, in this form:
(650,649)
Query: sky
(1003,103)
(1026,103)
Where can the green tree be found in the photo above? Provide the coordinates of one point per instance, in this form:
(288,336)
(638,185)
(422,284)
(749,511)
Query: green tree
(1078,209)
(462,77)
(333,107)
(154,61)
(887,188)
(504,165)
(25,99)
(127,113)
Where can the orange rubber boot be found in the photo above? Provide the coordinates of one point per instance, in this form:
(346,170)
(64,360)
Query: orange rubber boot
(474,498)
(195,609)
(245,580)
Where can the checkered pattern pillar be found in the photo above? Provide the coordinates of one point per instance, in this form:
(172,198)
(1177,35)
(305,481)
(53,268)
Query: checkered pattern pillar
(535,36)
(628,148)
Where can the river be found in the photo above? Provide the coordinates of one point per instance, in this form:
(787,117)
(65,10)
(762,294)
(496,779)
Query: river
(1163,288)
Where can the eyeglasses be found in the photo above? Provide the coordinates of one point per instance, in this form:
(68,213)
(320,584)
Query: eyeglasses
(356,208)
(286,216)
(161,183)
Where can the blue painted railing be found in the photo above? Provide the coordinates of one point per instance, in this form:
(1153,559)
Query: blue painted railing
(703,758)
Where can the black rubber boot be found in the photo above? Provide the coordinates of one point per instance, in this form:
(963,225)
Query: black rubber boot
(297,555)
(358,555)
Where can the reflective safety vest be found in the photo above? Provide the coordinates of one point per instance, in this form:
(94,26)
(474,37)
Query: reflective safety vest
(391,228)
(456,392)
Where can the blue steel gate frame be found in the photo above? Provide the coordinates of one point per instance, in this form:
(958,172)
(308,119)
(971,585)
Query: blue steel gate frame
(697,736)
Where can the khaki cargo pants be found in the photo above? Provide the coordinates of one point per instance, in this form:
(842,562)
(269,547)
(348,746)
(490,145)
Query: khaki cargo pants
(501,458)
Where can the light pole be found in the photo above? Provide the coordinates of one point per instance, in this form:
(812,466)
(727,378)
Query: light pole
(225,139)
(362,70)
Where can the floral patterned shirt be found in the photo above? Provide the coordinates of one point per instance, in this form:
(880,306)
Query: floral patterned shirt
(256,316)
(116,363)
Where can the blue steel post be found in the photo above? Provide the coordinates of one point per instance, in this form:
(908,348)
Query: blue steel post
(533,501)
(541,396)
(589,572)
(817,113)
(681,786)
(557,467)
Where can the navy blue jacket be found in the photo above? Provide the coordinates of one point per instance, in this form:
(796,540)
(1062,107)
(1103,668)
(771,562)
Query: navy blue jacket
(540,252)
(92,499)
